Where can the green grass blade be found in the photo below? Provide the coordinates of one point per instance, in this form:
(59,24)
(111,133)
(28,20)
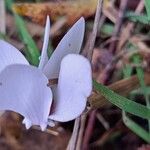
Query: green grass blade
(140,73)
(147,6)
(132,16)
(32,51)
(107,29)
(131,124)
(136,128)
(3,36)
(122,102)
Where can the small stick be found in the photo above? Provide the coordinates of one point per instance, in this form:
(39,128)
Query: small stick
(91,120)
(103,121)
(107,134)
(83,118)
(86,48)
(88,131)
(95,29)
(73,139)
(104,76)
(2,17)
(81,131)
(49,131)
(127,30)
(123,5)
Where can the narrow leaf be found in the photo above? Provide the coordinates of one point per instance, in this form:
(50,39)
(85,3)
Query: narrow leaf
(147,6)
(32,50)
(136,128)
(122,102)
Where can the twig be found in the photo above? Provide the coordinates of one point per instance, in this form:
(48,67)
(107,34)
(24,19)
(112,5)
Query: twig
(81,131)
(103,121)
(84,117)
(112,48)
(89,129)
(57,26)
(2,17)
(110,12)
(95,29)
(89,53)
(73,139)
(2,24)
(86,48)
(127,30)
(49,131)
(123,5)
(105,75)
(107,134)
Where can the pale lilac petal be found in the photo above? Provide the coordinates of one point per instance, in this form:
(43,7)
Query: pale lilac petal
(74,86)
(27,123)
(71,43)
(23,89)
(44,56)
(10,55)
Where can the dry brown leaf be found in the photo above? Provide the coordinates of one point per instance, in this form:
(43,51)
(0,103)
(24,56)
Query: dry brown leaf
(72,10)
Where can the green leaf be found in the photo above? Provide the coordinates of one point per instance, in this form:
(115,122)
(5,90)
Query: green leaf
(32,51)
(127,71)
(131,124)
(140,91)
(147,6)
(140,73)
(132,16)
(50,49)
(136,128)
(8,4)
(122,102)
(107,29)
(3,36)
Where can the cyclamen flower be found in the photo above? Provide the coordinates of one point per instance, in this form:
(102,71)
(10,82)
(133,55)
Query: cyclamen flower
(23,88)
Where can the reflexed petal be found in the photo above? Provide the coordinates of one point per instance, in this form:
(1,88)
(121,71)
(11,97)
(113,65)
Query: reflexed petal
(23,89)
(71,43)
(74,86)
(44,56)
(10,55)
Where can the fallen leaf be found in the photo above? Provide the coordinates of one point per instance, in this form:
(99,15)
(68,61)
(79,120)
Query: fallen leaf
(72,10)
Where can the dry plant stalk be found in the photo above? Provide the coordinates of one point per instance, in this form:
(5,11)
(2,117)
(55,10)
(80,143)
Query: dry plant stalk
(117,28)
(95,29)
(89,128)
(78,129)
(110,12)
(128,28)
(49,131)
(2,17)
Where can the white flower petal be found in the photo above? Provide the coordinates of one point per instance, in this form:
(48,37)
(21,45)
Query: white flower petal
(71,43)
(10,55)
(23,89)
(74,86)
(27,123)
(44,56)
